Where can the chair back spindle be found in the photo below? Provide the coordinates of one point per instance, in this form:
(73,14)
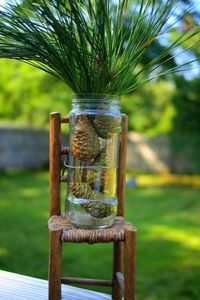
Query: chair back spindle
(121,176)
(55,162)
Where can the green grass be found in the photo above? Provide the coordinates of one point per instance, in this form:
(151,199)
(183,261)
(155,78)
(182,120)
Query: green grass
(168,242)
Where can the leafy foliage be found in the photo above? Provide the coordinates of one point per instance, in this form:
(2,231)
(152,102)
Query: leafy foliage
(28,95)
(151,110)
(86,43)
(187,104)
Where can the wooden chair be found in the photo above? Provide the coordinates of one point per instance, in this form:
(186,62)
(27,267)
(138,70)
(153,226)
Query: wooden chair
(122,234)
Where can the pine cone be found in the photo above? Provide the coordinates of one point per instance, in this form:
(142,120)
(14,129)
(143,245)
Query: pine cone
(108,178)
(82,190)
(85,142)
(104,179)
(95,207)
(107,126)
(93,172)
(98,209)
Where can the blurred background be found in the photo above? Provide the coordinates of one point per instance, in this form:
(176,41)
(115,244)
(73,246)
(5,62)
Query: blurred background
(163,176)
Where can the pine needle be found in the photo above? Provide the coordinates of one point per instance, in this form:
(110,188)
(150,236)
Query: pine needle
(93,46)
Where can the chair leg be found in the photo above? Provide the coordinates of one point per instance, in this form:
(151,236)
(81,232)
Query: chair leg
(55,256)
(129,263)
(117,266)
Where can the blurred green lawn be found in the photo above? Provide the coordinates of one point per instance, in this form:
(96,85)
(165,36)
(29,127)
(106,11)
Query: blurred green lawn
(168,241)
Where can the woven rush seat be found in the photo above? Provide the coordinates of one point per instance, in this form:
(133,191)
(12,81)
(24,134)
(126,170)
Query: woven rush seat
(73,234)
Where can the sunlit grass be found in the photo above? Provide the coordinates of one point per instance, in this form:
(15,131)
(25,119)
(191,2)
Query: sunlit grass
(184,237)
(3,251)
(165,179)
(168,243)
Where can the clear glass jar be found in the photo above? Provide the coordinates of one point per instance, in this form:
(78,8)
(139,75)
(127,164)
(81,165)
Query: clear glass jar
(95,126)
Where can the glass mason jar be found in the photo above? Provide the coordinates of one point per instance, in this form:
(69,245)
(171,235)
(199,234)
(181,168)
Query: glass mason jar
(95,126)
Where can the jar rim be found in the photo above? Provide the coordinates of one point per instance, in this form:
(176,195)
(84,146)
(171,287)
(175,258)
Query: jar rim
(95,97)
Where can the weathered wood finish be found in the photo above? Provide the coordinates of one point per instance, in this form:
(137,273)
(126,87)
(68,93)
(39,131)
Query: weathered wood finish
(64,178)
(117,267)
(121,182)
(129,263)
(55,256)
(64,150)
(65,119)
(54,162)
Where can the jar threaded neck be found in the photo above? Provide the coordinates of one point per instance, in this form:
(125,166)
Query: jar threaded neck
(96,102)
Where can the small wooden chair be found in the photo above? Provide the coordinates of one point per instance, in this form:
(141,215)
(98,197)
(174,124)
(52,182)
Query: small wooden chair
(122,234)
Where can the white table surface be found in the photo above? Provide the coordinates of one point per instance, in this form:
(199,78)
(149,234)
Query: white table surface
(19,287)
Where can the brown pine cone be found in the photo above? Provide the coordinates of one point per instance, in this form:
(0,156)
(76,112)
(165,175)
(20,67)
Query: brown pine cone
(104,179)
(93,172)
(106,126)
(85,143)
(98,209)
(108,178)
(94,207)
(82,190)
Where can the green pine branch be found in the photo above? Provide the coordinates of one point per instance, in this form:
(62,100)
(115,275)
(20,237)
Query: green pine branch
(93,46)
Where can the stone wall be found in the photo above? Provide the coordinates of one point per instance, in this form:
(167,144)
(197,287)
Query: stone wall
(23,148)
(164,154)
(146,154)
(28,148)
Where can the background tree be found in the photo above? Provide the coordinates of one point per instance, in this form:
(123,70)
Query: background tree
(151,108)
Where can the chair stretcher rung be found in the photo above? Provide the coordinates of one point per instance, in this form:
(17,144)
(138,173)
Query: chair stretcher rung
(64,150)
(65,119)
(86,281)
(64,178)
(120,279)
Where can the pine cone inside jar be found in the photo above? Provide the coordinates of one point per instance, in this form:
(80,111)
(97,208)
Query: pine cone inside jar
(85,143)
(102,179)
(106,126)
(92,174)
(108,177)
(98,209)
(104,182)
(94,206)
(82,190)
(103,176)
